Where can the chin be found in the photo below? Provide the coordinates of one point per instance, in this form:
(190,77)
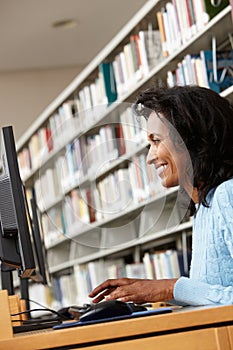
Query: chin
(169,183)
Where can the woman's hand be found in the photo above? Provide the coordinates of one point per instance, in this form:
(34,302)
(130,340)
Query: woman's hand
(136,290)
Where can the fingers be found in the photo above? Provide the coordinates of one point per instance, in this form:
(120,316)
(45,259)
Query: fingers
(103,286)
(124,289)
(103,295)
(109,284)
(124,293)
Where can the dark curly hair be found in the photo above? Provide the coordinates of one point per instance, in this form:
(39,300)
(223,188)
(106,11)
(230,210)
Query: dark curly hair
(204,120)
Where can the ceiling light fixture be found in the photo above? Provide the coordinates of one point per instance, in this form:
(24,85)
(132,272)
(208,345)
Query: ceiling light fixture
(65,23)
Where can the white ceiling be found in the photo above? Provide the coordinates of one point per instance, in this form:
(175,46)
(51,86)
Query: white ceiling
(28,40)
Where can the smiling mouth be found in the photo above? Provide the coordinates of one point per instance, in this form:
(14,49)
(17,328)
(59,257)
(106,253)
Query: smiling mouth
(161,169)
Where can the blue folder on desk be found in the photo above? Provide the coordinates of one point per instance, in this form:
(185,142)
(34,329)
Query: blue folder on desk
(137,314)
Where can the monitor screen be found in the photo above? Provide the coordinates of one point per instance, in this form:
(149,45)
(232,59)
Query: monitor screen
(16,249)
(21,244)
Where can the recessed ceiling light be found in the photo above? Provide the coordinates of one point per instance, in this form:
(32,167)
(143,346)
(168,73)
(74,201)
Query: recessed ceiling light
(65,23)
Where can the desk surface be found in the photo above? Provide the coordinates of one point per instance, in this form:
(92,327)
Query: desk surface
(184,320)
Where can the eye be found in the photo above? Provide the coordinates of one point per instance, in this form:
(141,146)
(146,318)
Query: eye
(155,141)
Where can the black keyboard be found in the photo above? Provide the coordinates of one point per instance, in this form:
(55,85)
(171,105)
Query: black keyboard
(34,325)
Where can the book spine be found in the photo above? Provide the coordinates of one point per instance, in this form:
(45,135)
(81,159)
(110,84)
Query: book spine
(159,15)
(109,81)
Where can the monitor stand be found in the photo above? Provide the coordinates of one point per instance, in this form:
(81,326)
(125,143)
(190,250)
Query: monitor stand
(7,278)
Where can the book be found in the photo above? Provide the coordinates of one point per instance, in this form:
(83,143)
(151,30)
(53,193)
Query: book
(133,180)
(163,38)
(157,265)
(34,150)
(124,188)
(173,27)
(183,19)
(97,204)
(212,8)
(152,45)
(189,71)
(82,283)
(201,16)
(118,76)
(97,272)
(191,16)
(127,49)
(123,71)
(143,54)
(109,81)
(167,31)
(120,139)
(24,160)
(135,270)
(218,67)
(90,205)
(144,176)
(148,265)
(200,72)
(115,268)
(135,56)
(173,263)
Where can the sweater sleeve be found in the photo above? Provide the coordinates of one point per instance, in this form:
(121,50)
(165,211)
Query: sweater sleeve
(225,208)
(193,292)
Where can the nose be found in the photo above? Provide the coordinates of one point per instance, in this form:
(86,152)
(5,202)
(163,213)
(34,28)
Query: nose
(151,155)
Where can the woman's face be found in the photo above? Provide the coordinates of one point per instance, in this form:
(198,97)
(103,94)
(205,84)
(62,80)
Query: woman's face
(170,161)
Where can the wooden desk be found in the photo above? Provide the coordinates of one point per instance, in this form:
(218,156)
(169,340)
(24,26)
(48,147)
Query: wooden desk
(206,328)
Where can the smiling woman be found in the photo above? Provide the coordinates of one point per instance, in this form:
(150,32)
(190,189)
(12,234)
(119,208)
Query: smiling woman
(169,161)
(190,132)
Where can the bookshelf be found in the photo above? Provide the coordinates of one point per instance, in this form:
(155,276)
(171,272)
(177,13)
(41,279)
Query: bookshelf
(85,156)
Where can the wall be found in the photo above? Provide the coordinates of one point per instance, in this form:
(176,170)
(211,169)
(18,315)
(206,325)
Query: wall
(25,94)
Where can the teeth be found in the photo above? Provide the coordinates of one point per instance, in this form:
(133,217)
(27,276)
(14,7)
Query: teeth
(161,169)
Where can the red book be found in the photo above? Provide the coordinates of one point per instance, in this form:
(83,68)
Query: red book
(49,139)
(120,139)
(90,205)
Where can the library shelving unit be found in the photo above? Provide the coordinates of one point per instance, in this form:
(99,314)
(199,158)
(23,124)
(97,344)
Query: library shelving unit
(103,211)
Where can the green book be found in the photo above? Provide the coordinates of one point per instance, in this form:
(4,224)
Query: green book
(109,81)
(214,7)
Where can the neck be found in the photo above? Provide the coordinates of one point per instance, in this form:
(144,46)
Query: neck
(194,195)
(192,192)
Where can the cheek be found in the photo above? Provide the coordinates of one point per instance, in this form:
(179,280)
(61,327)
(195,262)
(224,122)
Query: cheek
(181,166)
(176,164)
(163,152)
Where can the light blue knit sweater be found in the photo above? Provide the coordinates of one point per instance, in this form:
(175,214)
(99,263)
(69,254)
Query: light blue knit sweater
(211,272)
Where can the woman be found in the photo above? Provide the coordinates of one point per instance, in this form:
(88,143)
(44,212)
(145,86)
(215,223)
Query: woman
(199,158)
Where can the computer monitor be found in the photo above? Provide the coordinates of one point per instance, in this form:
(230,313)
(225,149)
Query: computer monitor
(41,272)
(20,240)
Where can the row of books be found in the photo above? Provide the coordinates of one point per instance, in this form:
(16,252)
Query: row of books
(114,77)
(138,56)
(163,264)
(47,189)
(208,69)
(40,144)
(53,226)
(103,200)
(87,157)
(81,154)
(180,20)
(133,130)
(74,288)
